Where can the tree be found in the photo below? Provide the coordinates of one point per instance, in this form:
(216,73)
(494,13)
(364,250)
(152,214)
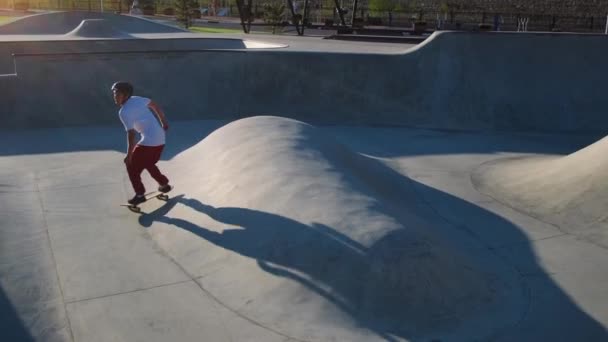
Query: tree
(128,4)
(379,6)
(419,7)
(147,6)
(274,12)
(184,11)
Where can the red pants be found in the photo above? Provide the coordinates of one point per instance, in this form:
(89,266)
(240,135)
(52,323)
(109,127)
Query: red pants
(145,158)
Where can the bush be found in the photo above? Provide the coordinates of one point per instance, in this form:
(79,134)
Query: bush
(374,21)
(419,27)
(169,11)
(148,10)
(485,27)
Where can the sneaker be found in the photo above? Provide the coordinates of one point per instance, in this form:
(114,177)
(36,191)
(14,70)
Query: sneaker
(137,199)
(165,188)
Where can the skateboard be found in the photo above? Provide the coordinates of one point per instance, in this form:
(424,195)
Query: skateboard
(154,194)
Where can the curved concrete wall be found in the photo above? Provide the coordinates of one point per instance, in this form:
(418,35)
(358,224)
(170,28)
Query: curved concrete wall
(527,81)
(499,81)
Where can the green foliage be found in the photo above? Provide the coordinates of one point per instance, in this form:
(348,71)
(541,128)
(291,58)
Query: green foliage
(402,7)
(382,5)
(444,8)
(184,11)
(214,30)
(145,3)
(274,13)
(418,6)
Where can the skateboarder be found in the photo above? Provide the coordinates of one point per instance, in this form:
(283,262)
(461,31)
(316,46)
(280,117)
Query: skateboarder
(137,114)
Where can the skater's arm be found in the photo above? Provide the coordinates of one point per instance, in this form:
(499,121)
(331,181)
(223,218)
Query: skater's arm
(159,113)
(130,145)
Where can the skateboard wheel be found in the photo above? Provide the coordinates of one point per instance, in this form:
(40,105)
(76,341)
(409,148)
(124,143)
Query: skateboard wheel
(135,209)
(163,197)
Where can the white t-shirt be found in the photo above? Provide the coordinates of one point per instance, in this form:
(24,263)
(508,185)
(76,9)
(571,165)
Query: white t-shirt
(136,115)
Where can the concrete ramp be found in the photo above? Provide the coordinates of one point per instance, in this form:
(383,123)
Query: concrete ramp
(59,23)
(298,231)
(570,191)
(97,28)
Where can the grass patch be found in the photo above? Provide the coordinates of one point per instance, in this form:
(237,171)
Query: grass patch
(213,30)
(6,18)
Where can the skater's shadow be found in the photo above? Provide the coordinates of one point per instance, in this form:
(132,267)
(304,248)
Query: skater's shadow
(378,286)
(314,256)
(11,325)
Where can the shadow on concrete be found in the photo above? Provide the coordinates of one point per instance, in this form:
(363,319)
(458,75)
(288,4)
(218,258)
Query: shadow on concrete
(387,142)
(382,142)
(368,283)
(11,325)
(180,137)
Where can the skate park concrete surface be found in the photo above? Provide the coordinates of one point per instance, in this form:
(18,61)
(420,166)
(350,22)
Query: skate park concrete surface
(449,191)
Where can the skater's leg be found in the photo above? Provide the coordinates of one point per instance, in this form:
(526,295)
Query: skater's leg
(135,169)
(154,157)
(157,175)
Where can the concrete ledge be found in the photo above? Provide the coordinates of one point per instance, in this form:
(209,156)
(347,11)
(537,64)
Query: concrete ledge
(379,39)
